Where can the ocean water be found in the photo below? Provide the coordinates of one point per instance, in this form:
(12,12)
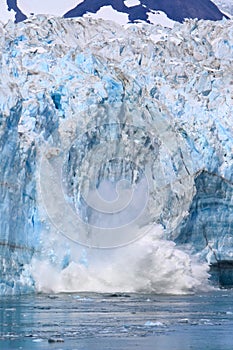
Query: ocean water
(91,321)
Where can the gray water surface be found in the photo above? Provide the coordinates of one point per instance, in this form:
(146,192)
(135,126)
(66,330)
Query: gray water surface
(86,321)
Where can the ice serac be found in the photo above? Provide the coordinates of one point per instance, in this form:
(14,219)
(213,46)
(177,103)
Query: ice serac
(86,104)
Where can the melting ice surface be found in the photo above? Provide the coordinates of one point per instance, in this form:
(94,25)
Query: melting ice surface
(105,132)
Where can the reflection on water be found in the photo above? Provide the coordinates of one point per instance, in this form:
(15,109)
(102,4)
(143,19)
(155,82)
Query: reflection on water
(117,321)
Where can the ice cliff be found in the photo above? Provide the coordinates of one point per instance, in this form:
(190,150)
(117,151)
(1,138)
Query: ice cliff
(89,105)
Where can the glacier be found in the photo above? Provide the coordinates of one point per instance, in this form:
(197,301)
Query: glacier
(116,156)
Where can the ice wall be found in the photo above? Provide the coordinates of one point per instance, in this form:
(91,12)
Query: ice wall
(86,104)
(17,197)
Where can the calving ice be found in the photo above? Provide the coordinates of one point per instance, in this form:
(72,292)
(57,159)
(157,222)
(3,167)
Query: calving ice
(113,142)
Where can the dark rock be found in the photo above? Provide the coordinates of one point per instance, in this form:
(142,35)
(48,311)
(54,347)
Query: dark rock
(55,340)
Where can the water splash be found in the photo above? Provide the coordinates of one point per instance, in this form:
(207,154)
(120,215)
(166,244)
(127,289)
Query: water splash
(149,265)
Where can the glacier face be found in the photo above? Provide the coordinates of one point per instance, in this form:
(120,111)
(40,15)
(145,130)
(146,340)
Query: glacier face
(89,104)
